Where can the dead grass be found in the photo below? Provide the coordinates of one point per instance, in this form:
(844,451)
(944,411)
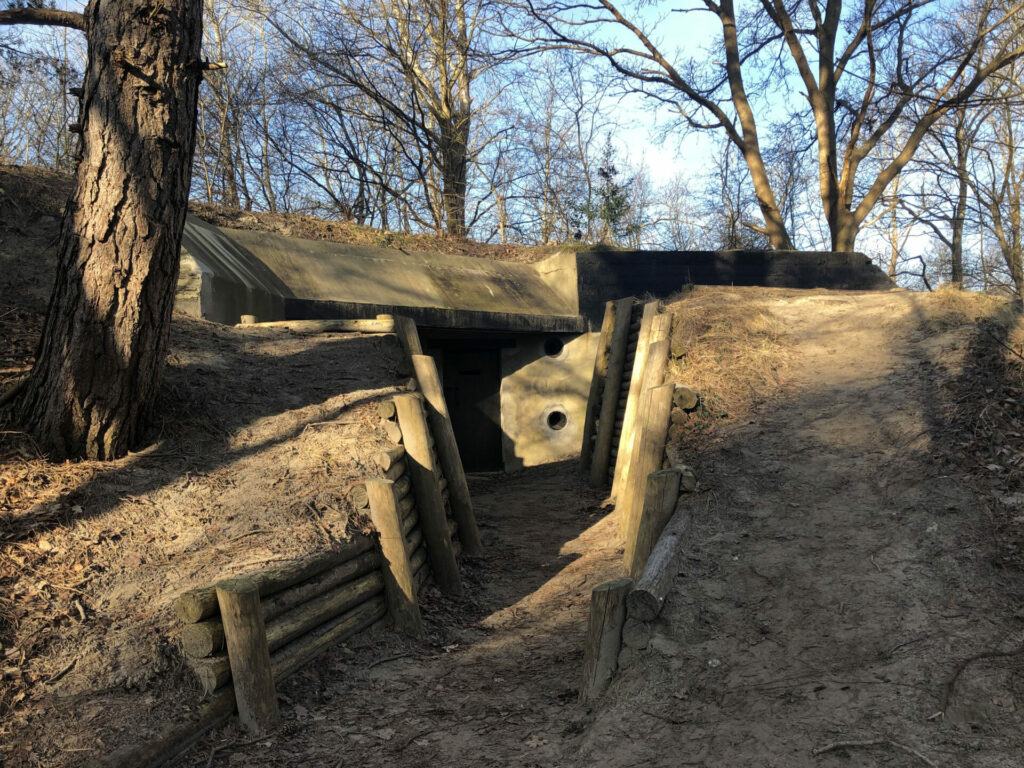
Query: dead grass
(728,346)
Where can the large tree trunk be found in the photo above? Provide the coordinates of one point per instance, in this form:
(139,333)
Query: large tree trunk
(104,341)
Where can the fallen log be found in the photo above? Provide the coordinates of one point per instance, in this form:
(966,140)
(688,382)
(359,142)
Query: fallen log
(684,398)
(386,458)
(206,638)
(645,601)
(198,604)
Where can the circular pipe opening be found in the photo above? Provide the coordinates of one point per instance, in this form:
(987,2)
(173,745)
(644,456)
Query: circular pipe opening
(553,346)
(557,420)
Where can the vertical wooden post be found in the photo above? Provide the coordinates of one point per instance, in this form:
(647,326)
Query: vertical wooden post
(448,454)
(597,385)
(399,580)
(653,376)
(408,335)
(604,636)
(643,341)
(248,654)
(660,496)
(420,462)
(649,451)
(610,399)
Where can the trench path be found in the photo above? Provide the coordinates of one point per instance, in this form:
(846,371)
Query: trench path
(494,682)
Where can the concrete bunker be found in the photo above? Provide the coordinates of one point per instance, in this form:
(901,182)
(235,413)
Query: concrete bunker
(514,343)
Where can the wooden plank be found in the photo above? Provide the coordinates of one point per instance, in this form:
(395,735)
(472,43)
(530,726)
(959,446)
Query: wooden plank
(399,585)
(248,654)
(648,453)
(604,636)
(612,384)
(650,311)
(597,386)
(448,454)
(660,497)
(420,460)
(646,600)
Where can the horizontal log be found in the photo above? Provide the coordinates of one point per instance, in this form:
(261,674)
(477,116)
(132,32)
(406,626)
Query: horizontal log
(393,431)
(409,522)
(685,398)
(361,500)
(198,604)
(406,505)
(386,458)
(206,638)
(332,326)
(215,671)
(645,601)
(396,471)
(386,409)
(413,540)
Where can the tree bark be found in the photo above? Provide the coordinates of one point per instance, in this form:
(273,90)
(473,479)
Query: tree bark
(99,361)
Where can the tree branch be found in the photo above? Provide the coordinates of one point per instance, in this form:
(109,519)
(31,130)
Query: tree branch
(42,17)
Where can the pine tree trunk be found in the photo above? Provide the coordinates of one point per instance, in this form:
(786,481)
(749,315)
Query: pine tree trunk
(99,360)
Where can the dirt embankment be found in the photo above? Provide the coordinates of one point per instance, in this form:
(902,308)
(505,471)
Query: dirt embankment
(854,573)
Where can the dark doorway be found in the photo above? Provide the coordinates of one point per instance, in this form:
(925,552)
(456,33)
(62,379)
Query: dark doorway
(472,384)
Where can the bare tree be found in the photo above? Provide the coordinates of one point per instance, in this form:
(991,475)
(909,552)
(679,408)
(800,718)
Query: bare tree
(862,69)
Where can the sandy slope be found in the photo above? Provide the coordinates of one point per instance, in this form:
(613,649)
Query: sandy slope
(837,578)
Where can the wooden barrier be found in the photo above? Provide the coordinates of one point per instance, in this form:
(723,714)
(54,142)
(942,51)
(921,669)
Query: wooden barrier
(597,378)
(422,469)
(448,454)
(613,380)
(648,454)
(659,502)
(604,636)
(383,324)
(644,340)
(646,600)
(399,579)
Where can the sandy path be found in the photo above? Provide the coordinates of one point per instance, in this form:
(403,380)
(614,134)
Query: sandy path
(494,683)
(835,582)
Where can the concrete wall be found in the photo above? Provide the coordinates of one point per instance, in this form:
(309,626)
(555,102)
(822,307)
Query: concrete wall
(536,387)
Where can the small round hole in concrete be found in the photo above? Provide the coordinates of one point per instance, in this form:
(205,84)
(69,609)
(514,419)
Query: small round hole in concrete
(557,420)
(553,346)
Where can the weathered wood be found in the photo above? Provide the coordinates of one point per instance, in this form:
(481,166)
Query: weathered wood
(386,409)
(399,586)
(659,502)
(614,375)
(685,398)
(386,458)
(248,654)
(206,638)
(647,598)
(333,326)
(198,604)
(448,453)
(635,634)
(393,431)
(407,505)
(597,386)
(652,376)
(420,460)
(396,471)
(604,636)
(647,454)
(215,671)
(408,335)
(650,311)
(358,496)
(413,537)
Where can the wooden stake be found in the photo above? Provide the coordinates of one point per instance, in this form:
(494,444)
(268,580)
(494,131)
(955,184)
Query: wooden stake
(657,355)
(448,454)
(648,452)
(660,497)
(248,654)
(635,388)
(420,460)
(399,582)
(604,636)
(604,342)
(613,381)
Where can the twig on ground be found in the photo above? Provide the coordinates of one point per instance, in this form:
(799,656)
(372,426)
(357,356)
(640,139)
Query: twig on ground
(63,672)
(947,688)
(873,743)
(386,659)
